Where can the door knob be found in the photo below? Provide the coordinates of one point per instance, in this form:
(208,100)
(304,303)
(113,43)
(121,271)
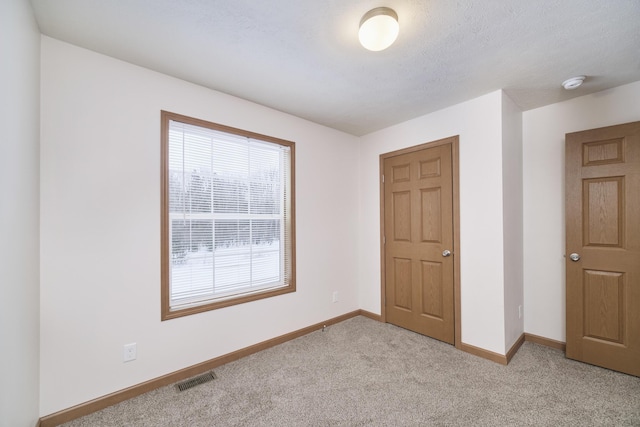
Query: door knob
(446,253)
(574,257)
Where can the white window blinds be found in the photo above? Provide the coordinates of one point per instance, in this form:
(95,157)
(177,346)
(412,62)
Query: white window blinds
(229,202)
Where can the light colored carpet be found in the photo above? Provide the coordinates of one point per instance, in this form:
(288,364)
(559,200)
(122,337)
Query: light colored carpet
(365,373)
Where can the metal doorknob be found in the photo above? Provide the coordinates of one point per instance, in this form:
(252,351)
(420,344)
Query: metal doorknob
(574,257)
(446,253)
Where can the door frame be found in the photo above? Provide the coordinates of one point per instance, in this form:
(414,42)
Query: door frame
(453,141)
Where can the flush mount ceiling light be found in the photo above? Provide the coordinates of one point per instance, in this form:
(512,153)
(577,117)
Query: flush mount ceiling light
(573,82)
(378,28)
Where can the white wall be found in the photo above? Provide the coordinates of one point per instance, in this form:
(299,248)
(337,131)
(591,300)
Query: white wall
(100,232)
(19,200)
(543,176)
(512,210)
(479,124)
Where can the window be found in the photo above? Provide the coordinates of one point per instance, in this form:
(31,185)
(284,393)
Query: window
(228,228)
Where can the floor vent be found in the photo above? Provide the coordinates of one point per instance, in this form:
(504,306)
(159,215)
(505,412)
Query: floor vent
(192,382)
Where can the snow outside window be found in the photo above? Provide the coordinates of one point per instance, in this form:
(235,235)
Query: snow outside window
(227,216)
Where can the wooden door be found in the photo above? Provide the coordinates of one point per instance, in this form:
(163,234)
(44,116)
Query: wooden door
(418,229)
(603,247)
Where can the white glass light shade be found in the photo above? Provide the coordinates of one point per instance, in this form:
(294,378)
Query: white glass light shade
(378,28)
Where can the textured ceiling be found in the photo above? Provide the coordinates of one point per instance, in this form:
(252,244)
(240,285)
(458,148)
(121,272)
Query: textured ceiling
(303,56)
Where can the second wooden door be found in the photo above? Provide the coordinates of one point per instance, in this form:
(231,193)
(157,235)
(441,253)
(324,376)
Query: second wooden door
(603,247)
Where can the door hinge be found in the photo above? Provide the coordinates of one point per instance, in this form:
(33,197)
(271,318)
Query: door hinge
(384,240)
(383,178)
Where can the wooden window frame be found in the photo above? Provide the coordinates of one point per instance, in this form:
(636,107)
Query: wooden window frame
(166,311)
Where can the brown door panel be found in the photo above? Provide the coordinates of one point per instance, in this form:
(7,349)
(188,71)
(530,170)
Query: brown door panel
(603,228)
(418,224)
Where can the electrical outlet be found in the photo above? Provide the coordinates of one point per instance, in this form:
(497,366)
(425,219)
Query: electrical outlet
(335,296)
(519,312)
(130,352)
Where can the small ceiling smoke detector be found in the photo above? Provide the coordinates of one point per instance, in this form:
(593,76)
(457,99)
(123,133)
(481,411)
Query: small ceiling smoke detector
(573,82)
